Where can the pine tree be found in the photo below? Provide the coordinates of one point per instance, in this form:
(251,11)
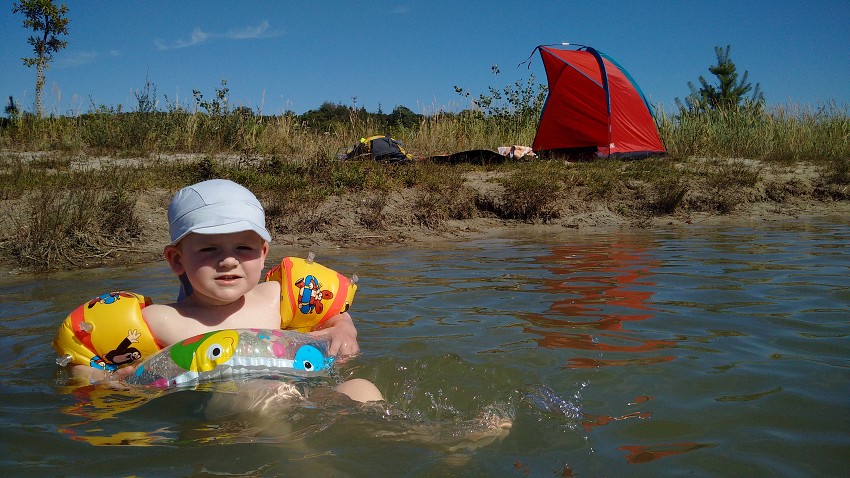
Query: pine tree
(729,92)
(47,21)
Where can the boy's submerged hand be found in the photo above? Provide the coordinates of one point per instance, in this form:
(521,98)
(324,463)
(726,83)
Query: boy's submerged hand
(342,334)
(93,375)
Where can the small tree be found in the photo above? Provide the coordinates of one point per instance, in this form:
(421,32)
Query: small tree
(12,108)
(217,106)
(46,20)
(727,93)
(146,97)
(513,100)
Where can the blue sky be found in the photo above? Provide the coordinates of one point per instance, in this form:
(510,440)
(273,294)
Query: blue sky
(284,55)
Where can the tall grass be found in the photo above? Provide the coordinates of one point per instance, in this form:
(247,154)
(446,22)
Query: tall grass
(780,133)
(73,212)
(75,228)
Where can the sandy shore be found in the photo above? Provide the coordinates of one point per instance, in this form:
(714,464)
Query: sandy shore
(344,224)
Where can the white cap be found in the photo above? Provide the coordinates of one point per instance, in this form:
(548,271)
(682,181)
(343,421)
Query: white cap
(217,206)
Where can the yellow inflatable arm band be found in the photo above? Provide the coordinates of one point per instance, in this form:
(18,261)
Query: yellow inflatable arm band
(106,332)
(310,293)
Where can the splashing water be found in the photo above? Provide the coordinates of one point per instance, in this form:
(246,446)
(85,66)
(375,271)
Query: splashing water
(548,401)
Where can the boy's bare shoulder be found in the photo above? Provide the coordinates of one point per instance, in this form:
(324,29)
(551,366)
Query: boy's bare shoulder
(165,322)
(158,307)
(264,300)
(270,289)
(158,312)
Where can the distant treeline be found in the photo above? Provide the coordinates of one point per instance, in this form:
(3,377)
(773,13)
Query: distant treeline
(329,114)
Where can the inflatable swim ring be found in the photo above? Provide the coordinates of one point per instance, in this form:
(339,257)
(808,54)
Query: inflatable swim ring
(225,354)
(109,331)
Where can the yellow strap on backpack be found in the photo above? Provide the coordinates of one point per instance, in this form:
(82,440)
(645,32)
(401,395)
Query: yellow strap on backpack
(368,141)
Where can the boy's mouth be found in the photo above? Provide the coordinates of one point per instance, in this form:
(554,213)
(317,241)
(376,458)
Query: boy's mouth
(227,277)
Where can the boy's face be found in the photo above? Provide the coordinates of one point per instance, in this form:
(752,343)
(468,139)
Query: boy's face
(221,267)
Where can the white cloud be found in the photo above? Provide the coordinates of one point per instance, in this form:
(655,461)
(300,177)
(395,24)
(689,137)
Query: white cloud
(199,36)
(247,33)
(75,58)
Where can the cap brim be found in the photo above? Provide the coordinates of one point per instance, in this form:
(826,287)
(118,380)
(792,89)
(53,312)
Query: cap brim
(240,226)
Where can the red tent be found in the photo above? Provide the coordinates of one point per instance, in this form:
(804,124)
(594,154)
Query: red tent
(593,103)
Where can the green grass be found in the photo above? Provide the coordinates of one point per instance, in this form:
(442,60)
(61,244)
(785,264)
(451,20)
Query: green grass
(68,228)
(780,134)
(774,134)
(76,211)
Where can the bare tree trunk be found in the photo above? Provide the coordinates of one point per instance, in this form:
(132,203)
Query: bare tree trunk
(39,86)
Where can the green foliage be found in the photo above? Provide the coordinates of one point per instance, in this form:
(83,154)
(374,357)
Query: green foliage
(72,227)
(146,98)
(780,134)
(47,21)
(403,117)
(12,109)
(330,117)
(217,106)
(765,133)
(530,193)
(512,109)
(45,17)
(517,99)
(728,93)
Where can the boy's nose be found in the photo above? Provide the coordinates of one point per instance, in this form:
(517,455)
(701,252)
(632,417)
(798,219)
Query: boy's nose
(229,261)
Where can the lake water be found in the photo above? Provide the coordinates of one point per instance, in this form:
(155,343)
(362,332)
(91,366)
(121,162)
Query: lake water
(718,351)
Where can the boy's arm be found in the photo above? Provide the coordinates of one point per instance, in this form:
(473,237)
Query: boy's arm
(342,333)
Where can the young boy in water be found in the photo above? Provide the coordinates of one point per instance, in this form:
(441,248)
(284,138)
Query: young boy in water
(218,248)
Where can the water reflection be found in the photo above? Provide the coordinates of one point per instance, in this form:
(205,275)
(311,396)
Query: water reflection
(592,421)
(124,438)
(97,402)
(607,285)
(583,362)
(602,277)
(646,453)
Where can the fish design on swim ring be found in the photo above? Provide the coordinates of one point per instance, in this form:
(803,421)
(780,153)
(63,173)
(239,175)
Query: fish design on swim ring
(204,352)
(231,353)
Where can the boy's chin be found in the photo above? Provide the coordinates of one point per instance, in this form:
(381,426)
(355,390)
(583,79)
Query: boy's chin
(219,297)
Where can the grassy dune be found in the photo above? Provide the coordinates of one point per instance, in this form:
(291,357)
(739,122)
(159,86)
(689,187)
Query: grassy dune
(75,191)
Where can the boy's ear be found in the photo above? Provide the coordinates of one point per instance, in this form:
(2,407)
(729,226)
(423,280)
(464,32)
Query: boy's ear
(174,258)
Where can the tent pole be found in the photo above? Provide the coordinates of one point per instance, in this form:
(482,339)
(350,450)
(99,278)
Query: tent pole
(607,90)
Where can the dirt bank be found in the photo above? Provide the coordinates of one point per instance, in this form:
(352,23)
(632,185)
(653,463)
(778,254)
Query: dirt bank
(783,194)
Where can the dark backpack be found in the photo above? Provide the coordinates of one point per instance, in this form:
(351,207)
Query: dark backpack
(380,148)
